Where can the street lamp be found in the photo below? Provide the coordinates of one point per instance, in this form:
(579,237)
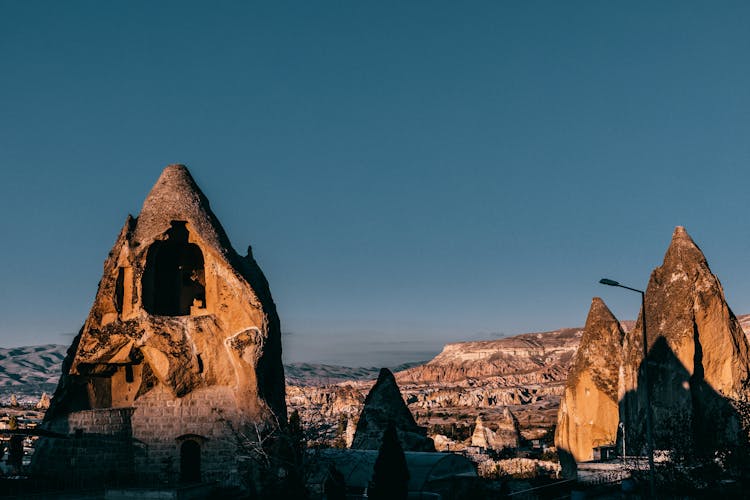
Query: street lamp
(649,423)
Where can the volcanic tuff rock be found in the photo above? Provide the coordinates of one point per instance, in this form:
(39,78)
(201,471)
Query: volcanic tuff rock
(528,376)
(43,403)
(383,406)
(181,349)
(528,358)
(698,366)
(504,436)
(588,414)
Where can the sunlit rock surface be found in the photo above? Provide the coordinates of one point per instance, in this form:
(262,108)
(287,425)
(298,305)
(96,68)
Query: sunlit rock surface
(180,354)
(504,435)
(588,414)
(697,361)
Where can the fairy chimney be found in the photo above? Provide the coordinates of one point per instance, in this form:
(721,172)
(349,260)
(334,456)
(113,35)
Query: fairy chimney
(588,413)
(697,360)
(180,353)
(505,436)
(385,406)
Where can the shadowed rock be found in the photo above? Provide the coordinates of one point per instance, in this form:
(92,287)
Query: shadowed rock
(698,367)
(384,405)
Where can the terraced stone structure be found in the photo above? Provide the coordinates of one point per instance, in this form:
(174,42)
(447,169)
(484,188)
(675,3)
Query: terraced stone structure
(179,356)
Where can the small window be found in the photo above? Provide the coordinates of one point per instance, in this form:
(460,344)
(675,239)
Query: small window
(129,374)
(120,289)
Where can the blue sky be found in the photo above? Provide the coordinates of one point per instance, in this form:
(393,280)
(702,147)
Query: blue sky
(408,173)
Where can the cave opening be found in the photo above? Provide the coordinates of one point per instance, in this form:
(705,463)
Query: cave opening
(174,278)
(119,290)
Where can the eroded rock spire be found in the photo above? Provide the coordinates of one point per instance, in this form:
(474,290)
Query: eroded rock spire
(588,413)
(384,405)
(697,360)
(181,351)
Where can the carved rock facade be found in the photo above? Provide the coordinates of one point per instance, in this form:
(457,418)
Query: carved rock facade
(180,353)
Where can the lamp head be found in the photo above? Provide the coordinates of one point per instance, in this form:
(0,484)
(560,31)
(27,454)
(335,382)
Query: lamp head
(605,281)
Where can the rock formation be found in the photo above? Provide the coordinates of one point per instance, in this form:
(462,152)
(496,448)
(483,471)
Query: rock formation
(506,435)
(541,356)
(444,443)
(180,353)
(482,436)
(588,414)
(349,432)
(384,405)
(698,368)
(43,402)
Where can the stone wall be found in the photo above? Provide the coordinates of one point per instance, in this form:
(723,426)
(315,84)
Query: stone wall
(207,416)
(141,444)
(98,449)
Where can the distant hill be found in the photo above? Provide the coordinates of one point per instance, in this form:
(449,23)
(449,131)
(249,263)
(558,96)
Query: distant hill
(317,374)
(29,371)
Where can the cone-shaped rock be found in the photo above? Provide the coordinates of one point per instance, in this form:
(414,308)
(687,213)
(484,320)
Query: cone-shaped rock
(588,413)
(505,436)
(43,402)
(180,352)
(697,357)
(385,405)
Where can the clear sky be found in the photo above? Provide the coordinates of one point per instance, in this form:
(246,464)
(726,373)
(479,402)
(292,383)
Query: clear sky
(408,173)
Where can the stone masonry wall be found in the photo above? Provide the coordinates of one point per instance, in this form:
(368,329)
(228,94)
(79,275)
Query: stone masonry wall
(141,444)
(99,448)
(164,422)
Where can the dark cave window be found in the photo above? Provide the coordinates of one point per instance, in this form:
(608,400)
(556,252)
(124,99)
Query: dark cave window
(174,278)
(200,363)
(119,289)
(129,373)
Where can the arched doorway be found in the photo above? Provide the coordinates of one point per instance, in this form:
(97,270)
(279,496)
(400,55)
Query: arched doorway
(190,461)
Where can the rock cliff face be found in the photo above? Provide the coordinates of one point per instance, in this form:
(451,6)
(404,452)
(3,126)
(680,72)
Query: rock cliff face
(181,349)
(383,406)
(528,358)
(698,368)
(588,414)
(526,375)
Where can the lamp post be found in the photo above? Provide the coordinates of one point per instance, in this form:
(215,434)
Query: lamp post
(649,422)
